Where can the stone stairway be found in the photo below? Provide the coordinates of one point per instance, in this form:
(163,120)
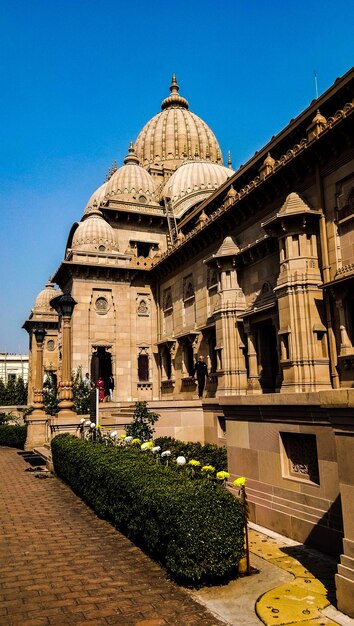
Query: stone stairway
(115,415)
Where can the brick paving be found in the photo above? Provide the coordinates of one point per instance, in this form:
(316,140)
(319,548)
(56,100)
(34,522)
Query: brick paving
(60,564)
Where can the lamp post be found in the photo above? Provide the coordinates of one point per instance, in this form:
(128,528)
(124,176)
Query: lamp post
(65,306)
(37,420)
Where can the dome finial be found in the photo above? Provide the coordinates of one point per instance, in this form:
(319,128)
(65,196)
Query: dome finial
(174,87)
(131,157)
(174,99)
(229,162)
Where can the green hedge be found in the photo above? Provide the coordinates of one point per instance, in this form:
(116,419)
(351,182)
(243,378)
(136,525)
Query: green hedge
(207,454)
(13,436)
(192,527)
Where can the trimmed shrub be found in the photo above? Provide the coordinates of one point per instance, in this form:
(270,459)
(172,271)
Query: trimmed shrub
(207,454)
(192,527)
(13,436)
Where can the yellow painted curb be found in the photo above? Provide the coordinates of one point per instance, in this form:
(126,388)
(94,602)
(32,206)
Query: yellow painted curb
(300,602)
(289,603)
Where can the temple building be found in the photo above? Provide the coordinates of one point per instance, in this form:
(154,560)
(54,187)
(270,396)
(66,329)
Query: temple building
(176,255)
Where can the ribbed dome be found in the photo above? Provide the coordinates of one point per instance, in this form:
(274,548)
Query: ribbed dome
(42,302)
(97,197)
(193,182)
(176,134)
(94,234)
(131,182)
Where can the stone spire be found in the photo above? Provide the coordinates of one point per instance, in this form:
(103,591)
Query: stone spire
(174,99)
(131,158)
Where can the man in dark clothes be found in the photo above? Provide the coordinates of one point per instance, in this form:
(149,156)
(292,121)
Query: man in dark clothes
(111,387)
(201,372)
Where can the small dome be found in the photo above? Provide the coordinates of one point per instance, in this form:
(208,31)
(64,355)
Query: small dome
(193,182)
(319,118)
(269,160)
(94,234)
(131,182)
(175,134)
(42,302)
(97,197)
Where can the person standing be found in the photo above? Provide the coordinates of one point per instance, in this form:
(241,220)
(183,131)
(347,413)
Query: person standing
(111,387)
(200,373)
(100,387)
(87,381)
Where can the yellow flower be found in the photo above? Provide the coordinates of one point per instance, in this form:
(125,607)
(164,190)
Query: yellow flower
(208,468)
(239,482)
(136,442)
(194,463)
(123,436)
(222,475)
(148,445)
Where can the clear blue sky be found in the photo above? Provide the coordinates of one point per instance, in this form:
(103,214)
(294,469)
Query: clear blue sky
(80,78)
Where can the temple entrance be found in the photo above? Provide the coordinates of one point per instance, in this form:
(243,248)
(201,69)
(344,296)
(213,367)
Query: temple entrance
(267,356)
(101,364)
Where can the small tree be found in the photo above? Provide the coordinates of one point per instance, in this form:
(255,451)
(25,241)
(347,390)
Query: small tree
(10,392)
(143,421)
(20,392)
(2,393)
(81,392)
(50,394)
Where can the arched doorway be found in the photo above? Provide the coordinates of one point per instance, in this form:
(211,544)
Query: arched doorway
(101,364)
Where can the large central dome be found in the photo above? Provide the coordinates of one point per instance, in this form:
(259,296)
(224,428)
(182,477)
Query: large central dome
(176,134)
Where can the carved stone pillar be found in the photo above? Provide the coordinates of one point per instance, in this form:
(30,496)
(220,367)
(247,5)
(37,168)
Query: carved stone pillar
(37,421)
(66,403)
(253,384)
(65,304)
(345,343)
(232,373)
(300,299)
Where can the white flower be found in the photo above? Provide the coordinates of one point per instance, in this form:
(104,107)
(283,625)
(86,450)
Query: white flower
(128,439)
(88,423)
(92,425)
(82,421)
(166,453)
(113,434)
(181,460)
(156,449)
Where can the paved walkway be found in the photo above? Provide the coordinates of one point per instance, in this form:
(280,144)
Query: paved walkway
(60,564)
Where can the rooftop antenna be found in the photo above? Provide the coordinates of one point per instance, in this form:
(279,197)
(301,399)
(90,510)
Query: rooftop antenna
(316,83)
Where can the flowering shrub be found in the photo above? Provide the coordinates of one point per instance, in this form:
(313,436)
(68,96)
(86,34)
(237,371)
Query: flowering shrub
(223,476)
(142,425)
(193,527)
(239,482)
(194,463)
(148,445)
(208,470)
(207,454)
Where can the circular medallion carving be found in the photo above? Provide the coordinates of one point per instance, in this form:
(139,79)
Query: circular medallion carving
(101,305)
(50,345)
